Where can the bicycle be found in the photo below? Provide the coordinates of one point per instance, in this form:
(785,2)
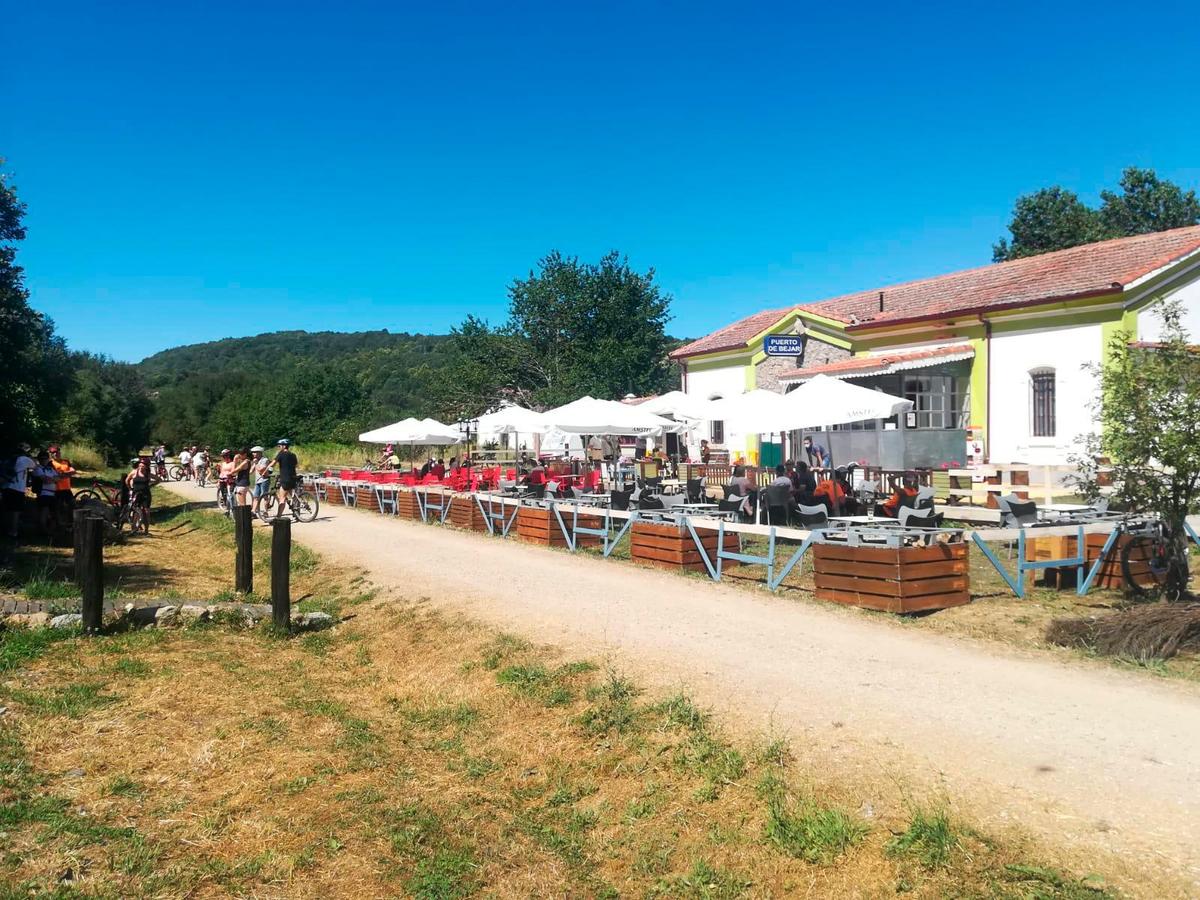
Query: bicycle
(118,512)
(303,504)
(136,515)
(177,472)
(224,498)
(202,476)
(1146,557)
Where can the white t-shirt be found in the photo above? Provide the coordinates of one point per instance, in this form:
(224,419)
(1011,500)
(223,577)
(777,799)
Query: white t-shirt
(49,477)
(185,457)
(21,468)
(201,459)
(262,469)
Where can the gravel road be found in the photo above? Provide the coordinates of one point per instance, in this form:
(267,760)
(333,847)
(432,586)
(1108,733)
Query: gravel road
(1090,757)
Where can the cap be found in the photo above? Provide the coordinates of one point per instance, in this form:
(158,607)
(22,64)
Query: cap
(283,442)
(53,448)
(256,449)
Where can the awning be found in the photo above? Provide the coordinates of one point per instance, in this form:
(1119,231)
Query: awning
(883,364)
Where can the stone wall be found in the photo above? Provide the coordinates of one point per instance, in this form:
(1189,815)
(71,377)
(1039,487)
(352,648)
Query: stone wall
(816,353)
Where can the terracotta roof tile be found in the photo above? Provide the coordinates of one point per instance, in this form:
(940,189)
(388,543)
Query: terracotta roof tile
(871,365)
(1089,270)
(1076,272)
(735,336)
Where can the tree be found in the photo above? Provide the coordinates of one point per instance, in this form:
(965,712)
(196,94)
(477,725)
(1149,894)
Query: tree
(1148,410)
(34,370)
(1146,204)
(1050,219)
(488,366)
(108,406)
(1055,218)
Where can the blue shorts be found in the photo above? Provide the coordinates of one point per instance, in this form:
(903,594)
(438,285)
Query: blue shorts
(260,488)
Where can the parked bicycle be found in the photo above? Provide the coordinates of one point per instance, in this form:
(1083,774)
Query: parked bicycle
(303,504)
(1146,556)
(120,507)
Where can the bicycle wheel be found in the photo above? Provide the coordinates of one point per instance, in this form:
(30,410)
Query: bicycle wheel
(304,505)
(175,473)
(87,495)
(222,499)
(1144,565)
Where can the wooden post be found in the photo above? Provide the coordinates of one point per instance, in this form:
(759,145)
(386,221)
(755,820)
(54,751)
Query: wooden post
(77,529)
(281,560)
(90,563)
(243,535)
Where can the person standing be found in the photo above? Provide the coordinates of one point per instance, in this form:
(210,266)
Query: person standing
(185,463)
(241,477)
(45,478)
(138,482)
(14,482)
(288,466)
(63,497)
(818,456)
(200,465)
(261,466)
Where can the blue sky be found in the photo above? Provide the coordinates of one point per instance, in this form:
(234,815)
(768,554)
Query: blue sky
(196,171)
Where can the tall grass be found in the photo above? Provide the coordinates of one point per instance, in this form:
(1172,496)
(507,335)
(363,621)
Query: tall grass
(83,457)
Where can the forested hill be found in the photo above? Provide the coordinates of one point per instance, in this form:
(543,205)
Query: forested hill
(305,385)
(265,351)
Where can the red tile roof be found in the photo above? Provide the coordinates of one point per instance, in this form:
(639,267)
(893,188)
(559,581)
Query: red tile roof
(735,336)
(1078,272)
(876,365)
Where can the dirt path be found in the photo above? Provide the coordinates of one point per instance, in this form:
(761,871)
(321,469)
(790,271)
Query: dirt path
(1091,758)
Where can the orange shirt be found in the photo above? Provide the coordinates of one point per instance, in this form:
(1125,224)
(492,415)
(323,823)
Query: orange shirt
(892,506)
(828,488)
(62,466)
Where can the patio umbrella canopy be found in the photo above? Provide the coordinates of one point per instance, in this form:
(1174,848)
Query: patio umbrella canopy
(823,401)
(679,405)
(511,420)
(423,432)
(587,415)
(754,412)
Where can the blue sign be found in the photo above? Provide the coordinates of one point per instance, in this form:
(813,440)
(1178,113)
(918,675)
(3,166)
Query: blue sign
(783,345)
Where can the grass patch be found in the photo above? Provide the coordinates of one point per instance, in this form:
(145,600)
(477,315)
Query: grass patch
(704,882)
(21,646)
(805,829)
(612,708)
(71,700)
(930,838)
(445,875)
(502,647)
(131,667)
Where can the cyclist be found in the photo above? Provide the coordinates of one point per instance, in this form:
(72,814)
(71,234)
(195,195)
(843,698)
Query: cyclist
(64,498)
(200,464)
(138,481)
(287,463)
(185,463)
(261,467)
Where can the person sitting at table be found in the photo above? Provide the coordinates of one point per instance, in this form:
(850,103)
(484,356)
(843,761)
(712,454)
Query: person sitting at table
(438,470)
(833,492)
(781,477)
(804,485)
(537,475)
(906,495)
(425,468)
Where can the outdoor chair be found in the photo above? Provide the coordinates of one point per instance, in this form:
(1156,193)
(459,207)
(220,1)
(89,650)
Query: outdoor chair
(695,490)
(577,493)
(646,503)
(1015,512)
(924,498)
(779,504)
(620,499)
(919,518)
(536,492)
(652,485)
(813,516)
(1100,506)
(506,486)
(731,505)
(671,501)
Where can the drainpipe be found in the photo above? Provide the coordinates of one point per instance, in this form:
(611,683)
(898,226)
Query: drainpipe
(987,396)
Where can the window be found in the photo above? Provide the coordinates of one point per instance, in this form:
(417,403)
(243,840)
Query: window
(1041,402)
(717,433)
(939,401)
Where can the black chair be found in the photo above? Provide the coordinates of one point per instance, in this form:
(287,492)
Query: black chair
(920,518)
(730,491)
(646,502)
(535,491)
(813,516)
(779,504)
(620,499)
(695,490)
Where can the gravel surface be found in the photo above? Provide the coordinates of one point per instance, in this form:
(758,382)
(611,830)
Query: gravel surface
(1090,757)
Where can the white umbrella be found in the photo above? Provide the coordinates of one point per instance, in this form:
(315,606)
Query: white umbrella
(587,415)
(753,412)
(426,432)
(511,420)
(823,401)
(679,405)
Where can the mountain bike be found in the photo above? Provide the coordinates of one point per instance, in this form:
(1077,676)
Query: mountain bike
(225,498)
(1145,557)
(302,502)
(176,472)
(117,512)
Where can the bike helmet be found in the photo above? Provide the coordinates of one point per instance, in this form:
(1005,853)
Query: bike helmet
(283,442)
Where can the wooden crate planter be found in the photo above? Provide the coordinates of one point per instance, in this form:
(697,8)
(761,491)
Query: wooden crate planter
(671,546)
(1043,549)
(893,579)
(540,526)
(406,505)
(333,495)
(465,514)
(365,498)
(1110,576)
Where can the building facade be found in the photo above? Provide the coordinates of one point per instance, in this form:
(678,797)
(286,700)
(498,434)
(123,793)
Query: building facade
(999,360)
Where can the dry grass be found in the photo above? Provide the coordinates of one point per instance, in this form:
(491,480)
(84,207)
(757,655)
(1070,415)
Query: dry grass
(408,753)
(1153,632)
